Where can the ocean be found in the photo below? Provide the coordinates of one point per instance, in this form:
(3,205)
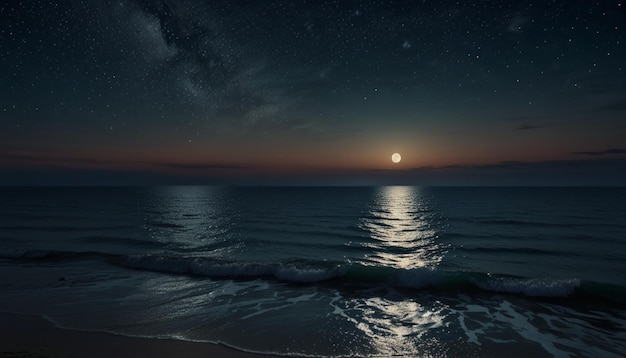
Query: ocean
(326,271)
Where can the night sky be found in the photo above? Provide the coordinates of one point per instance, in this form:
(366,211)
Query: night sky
(313,92)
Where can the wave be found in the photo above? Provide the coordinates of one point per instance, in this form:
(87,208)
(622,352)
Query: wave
(122,241)
(531,287)
(332,235)
(62,228)
(520,222)
(362,274)
(342,273)
(165,225)
(511,250)
(199,266)
(26,254)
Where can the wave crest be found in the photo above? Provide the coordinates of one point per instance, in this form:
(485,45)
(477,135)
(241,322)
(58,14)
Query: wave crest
(531,287)
(211,268)
(339,273)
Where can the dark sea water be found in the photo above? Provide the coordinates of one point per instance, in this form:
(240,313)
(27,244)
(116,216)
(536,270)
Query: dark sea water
(407,271)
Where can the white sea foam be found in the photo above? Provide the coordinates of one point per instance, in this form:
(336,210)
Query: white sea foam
(531,287)
(295,274)
(11,253)
(22,253)
(204,267)
(231,269)
(158,263)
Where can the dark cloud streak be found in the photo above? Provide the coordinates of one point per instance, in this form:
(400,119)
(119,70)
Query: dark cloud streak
(525,127)
(207,166)
(615,106)
(603,152)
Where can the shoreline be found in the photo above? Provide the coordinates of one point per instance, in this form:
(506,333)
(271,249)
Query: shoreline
(26,336)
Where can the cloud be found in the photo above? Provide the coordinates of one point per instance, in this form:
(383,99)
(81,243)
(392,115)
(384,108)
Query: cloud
(603,152)
(516,24)
(49,160)
(207,166)
(508,167)
(525,127)
(45,161)
(583,172)
(522,118)
(615,106)
(587,172)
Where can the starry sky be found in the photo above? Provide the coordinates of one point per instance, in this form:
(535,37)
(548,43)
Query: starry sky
(313,92)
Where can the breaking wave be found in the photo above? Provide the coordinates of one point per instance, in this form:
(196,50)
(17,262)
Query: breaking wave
(311,271)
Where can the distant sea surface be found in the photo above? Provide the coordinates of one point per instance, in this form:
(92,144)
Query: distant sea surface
(326,271)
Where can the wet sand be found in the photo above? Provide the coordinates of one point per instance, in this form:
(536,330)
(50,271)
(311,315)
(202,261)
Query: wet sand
(34,337)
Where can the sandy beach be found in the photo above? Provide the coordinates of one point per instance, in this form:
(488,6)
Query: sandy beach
(34,337)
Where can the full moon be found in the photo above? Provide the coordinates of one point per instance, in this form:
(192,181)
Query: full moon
(396,158)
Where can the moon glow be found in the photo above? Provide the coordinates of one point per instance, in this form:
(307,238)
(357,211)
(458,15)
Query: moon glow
(396,158)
